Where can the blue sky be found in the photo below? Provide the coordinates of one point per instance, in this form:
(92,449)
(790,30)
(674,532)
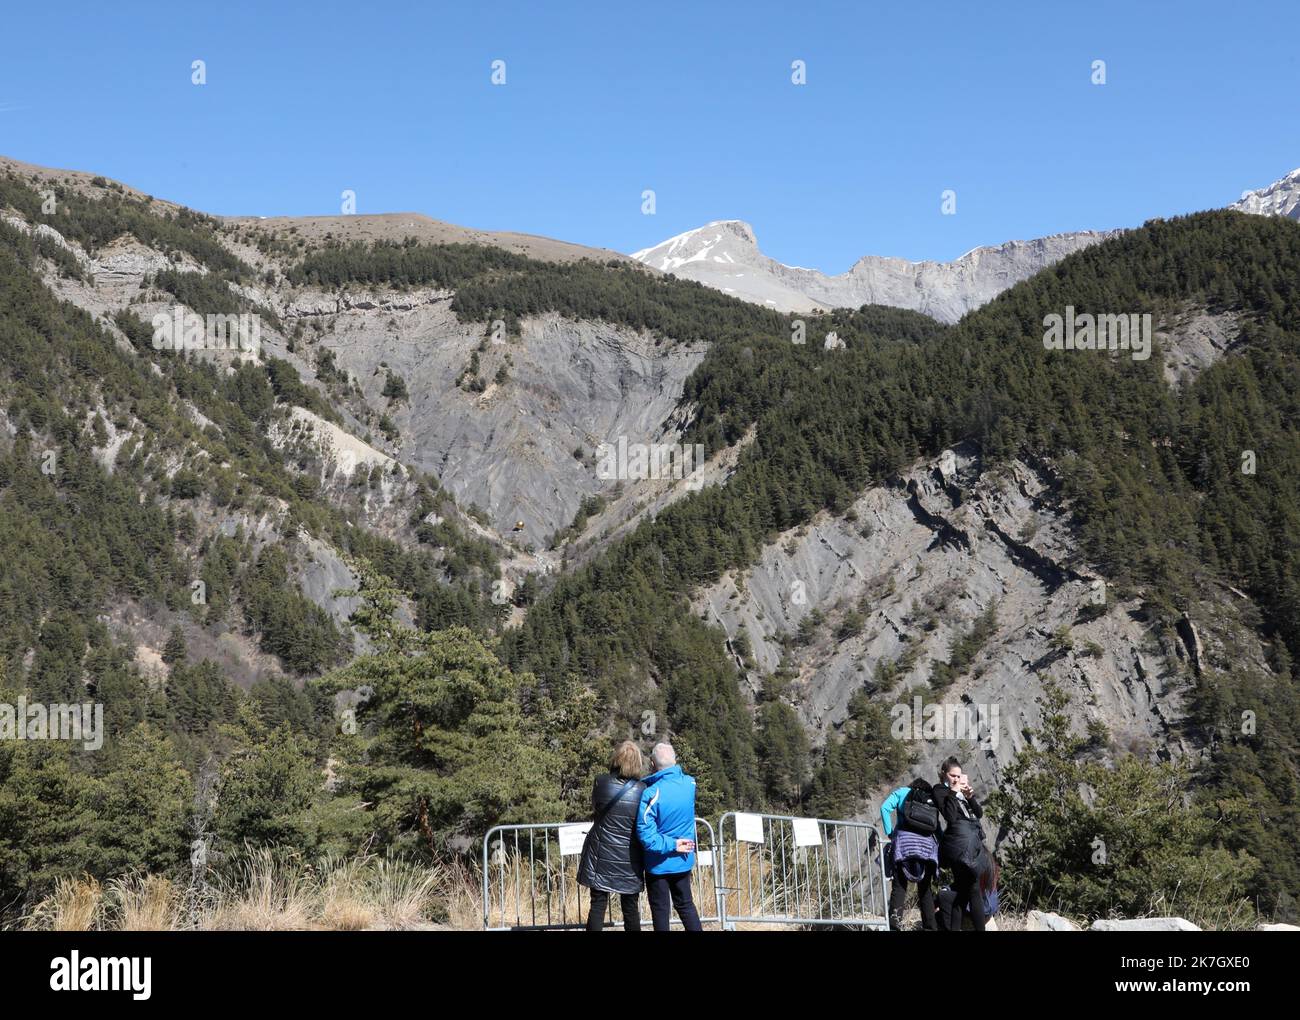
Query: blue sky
(692,100)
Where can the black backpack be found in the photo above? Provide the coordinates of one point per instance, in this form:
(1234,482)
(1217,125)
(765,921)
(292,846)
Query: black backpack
(919,814)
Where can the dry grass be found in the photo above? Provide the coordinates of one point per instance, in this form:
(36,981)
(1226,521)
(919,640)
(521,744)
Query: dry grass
(73,906)
(462,895)
(268,891)
(263,893)
(365,892)
(403,893)
(144,903)
(344,905)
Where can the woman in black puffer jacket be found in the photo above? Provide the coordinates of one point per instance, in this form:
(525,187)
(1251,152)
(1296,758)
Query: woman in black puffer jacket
(962,845)
(611,855)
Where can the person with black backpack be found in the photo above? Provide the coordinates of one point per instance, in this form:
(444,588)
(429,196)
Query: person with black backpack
(914,849)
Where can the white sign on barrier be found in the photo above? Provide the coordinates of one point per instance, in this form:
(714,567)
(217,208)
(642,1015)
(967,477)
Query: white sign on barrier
(704,858)
(572,838)
(749,828)
(807,832)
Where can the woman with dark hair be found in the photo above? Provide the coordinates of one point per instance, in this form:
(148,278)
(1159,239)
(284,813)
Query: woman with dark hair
(612,855)
(989,886)
(952,920)
(962,846)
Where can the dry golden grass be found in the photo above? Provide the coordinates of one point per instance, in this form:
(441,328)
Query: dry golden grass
(264,893)
(270,893)
(462,896)
(344,905)
(144,903)
(73,906)
(403,893)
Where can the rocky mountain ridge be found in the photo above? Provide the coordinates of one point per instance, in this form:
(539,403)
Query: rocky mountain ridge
(724,254)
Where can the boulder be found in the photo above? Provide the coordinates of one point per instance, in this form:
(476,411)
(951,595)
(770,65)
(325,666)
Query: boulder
(1144,924)
(1038,920)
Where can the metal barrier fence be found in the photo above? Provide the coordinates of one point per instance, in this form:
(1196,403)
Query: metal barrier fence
(530,878)
(777,869)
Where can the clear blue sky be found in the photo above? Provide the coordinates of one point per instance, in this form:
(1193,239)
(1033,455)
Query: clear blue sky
(693,100)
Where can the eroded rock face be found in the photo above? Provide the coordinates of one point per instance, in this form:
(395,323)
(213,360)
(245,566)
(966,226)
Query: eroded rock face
(510,449)
(920,559)
(1194,340)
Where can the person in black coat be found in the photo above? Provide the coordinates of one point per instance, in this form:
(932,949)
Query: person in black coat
(962,845)
(612,856)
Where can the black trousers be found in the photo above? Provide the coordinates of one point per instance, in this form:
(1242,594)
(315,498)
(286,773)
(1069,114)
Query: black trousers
(668,893)
(924,899)
(966,884)
(630,902)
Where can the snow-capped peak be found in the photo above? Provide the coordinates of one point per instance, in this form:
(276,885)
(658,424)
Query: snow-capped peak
(1281,198)
(726,242)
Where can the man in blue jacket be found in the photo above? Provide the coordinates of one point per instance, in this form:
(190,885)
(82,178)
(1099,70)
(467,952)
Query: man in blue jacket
(666,827)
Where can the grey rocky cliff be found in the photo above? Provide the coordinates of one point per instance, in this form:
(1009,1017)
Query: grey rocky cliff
(921,558)
(509,449)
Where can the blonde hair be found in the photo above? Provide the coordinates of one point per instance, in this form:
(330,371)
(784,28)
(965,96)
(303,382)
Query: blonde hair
(627,761)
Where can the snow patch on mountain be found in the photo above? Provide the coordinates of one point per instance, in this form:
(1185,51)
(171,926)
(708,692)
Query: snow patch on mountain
(1281,198)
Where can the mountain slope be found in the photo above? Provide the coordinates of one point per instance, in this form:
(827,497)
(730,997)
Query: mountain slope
(1130,480)
(916,509)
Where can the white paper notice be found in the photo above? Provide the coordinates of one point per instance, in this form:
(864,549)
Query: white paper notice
(704,858)
(807,832)
(572,837)
(749,828)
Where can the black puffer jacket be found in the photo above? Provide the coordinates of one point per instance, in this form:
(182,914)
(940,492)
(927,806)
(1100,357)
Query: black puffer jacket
(611,856)
(963,836)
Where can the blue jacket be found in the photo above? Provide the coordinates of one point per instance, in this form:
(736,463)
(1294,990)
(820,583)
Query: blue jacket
(892,803)
(666,814)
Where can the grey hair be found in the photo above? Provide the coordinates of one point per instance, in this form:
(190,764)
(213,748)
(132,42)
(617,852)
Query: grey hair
(663,755)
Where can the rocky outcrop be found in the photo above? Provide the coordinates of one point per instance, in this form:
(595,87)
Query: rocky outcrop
(510,449)
(338,450)
(1281,198)
(1194,340)
(1144,924)
(1037,920)
(905,574)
